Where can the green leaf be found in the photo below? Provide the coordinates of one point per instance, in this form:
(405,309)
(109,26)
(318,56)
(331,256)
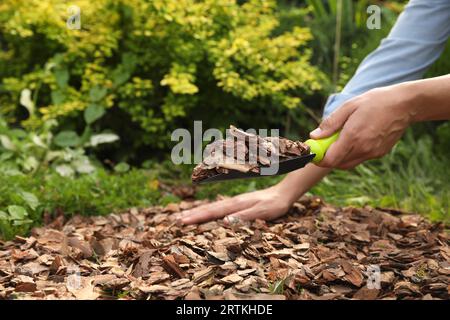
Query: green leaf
(26,100)
(30,163)
(6,155)
(3,215)
(18,133)
(93,112)
(124,71)
(86,135)
(67,139)
(120,76)
(30,199)
(58,97)
(17,212)
(37,140)
(122,167)
(129,61)
(62,77)
(97,93)
(22,222)
(65,170)
(103,138)
(83,166)
(7,143)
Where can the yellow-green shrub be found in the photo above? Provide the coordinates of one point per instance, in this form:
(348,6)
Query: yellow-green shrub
(157,64)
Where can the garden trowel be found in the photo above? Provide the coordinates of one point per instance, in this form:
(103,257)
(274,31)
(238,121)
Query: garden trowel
(318,148)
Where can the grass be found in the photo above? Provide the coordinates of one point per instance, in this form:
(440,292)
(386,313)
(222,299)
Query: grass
(99,193)
(412,177)
(95,194)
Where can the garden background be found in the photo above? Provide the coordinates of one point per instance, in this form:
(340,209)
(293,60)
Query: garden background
(86,115)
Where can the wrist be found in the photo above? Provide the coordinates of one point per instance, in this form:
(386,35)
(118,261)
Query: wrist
(285,190)
(410,94)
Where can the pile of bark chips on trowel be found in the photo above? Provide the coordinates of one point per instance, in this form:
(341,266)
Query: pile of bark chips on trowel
(245,152)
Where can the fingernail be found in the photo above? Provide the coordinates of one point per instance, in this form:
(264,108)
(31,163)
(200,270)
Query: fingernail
(232,220)
(176,216)
(316,132)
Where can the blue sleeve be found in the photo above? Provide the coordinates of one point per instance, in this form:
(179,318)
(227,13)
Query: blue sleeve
(417,40)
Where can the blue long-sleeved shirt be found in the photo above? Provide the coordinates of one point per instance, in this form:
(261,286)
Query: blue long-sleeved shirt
(417,40)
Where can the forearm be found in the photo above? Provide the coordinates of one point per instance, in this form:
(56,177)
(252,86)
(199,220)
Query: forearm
(298,182)
(430,99)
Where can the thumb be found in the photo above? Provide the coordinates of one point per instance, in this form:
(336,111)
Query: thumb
(333,122)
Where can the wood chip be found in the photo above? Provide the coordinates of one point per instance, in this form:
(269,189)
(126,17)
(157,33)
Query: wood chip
(141,254)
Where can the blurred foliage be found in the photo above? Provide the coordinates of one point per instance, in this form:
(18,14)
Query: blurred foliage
(155,65)
(357,40)
(29,152)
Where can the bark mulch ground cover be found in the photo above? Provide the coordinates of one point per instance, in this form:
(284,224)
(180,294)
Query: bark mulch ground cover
(317,251)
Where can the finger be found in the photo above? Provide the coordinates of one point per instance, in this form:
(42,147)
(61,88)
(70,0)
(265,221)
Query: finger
(214,211)
(243,215)
(338,151)
(206,212)
(188,212)
(210,206)
(334,121)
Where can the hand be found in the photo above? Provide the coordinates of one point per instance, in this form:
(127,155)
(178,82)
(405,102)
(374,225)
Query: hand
(264,204)
(371,125)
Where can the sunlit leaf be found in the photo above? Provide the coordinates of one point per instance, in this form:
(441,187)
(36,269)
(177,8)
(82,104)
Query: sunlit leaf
(22,222)
(7,143)
(30,199)
(30,163)
(65,170)
(103,138)
(122,167)
(26,101)
(83,166)
(38,141)
(3,215)
(17,212)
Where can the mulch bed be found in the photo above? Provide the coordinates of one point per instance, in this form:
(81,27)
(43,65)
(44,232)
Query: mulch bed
(318,251)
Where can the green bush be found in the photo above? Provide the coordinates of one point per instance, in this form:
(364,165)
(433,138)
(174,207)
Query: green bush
(155,65)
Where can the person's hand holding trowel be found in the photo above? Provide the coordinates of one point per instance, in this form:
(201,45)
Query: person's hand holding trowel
(372,123)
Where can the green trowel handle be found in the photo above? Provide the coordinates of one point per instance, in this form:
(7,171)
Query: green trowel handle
(320,147)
